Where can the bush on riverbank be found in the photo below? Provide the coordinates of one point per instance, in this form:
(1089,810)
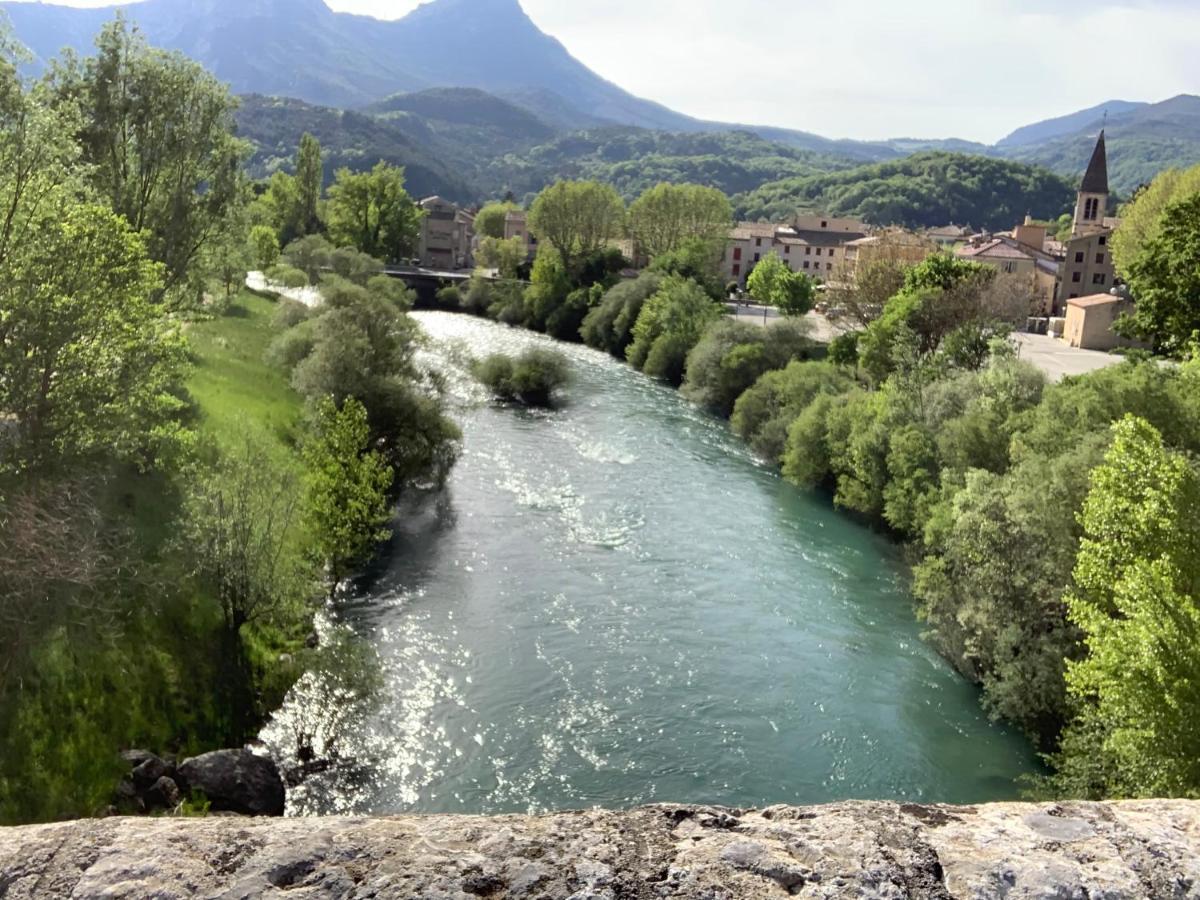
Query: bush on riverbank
(533,378)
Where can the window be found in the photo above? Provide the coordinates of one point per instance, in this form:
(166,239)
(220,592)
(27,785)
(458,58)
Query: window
(1079,257)
(787,250)
(828,266)
(737,253)
(806,264)
(737,269)
(1099,278)
(818,251)
(808,251)
(1103,240)
(1099,259)
(824,224)
(831,251)
(757,257)
(1077,277)
(758,242)
(1091,209)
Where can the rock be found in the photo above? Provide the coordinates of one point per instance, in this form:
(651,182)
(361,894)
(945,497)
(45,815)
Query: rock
(147,774)
(135,758)
(235,781)
(164,794)
(1115,851)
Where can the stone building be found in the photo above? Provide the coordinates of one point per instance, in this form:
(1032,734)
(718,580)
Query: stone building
(1087,268)
(446,237)
(812,245)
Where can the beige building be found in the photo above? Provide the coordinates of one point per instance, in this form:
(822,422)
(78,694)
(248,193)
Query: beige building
(893,244)
(949,236)
(1087,267)
(1089,322)
(447,233)
(812,245)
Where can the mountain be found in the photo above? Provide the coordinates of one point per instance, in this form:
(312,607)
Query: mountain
(1142,141)
(923,190)
(1041,132)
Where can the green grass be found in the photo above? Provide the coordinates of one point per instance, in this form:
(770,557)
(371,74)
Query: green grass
(235,390)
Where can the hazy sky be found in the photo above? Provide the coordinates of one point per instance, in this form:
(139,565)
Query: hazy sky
(874,68)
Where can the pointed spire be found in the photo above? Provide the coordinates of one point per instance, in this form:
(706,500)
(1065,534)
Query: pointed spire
(1096,179)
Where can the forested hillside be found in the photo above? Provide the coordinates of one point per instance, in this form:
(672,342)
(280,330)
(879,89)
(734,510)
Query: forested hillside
(923,190)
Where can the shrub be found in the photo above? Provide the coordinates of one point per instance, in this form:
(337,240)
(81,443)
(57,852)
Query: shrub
(532,378)
(287,276)
(732,356)
(609,325)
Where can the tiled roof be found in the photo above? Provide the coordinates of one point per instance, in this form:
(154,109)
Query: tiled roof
(995,249)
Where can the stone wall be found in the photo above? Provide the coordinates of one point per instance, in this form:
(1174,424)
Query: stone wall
(863,850)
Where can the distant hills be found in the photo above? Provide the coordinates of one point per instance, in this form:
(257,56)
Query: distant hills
(474,98)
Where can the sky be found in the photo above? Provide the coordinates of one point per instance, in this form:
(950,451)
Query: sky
(868,69)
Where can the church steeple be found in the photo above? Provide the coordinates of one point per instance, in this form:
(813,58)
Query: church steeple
(1093,192)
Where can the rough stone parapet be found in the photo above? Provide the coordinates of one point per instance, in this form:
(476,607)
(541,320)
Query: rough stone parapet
(865,850)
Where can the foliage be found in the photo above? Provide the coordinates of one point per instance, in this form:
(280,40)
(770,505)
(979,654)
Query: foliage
(764,413)
(347,503)
(698,260)
(1135,601)
(773,283)
(878,275)
(667,216)
(733,355)
(924,190)
(577,218)
(372,212)
(670,323)
(1164,278)
(1143,217)
(533,378)
(609,324)
(310,182)
(506,256)
(489,221)
(310,254)
(157,138)
(264,248)
(87,364)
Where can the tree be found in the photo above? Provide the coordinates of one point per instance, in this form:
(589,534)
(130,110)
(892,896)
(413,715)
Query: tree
(506,256)
(609,325)
(372,212)
(87,364)
(489,221)
(311,255)
(1137,601)
(157,138)
(1164,278)
(733,355)
(1143,218)
(238,527)
(764,412)
(310,180)
(668,326)
(577,218)
(877,276)
(347,504)
(773,283)
(665,217)
(264,247)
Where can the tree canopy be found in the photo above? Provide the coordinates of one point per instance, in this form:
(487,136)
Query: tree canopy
(372,212)
(577,218)
(663,219)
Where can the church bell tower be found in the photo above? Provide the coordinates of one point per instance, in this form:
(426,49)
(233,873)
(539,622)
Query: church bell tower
(1093,193)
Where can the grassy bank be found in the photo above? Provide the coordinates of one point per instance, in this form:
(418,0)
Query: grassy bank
(145,660)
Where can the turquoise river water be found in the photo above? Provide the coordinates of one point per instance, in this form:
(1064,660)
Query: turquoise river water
(614,604)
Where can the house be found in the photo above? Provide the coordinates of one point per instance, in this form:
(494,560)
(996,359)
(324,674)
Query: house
(516,225)
(446,235)
(894,244)
(1090,319)
(813,245)
(1088,266)
(949,236)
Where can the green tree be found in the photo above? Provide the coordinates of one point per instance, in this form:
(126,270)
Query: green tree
(609,325)
(157,137)
(264,247)
(372,212)
(1164,278)
(1136,601)
(668,326)
(310,180)
(506,256)
(733,355)
(347,505)
(1142,219)
(773,283)
(577,219)
(87,363)
(665,217)
(489,221)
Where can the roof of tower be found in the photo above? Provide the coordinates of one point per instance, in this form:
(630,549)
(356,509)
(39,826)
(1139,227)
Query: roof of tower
(1096,179)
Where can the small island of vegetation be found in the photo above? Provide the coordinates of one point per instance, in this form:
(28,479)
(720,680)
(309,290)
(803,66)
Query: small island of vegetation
(533,378)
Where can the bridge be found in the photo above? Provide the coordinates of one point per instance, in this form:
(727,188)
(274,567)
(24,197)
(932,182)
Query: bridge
(427,282)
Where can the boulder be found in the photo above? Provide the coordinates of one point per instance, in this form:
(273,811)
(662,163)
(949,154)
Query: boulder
(163,794)
(134,758)
(235,781)
(147,774)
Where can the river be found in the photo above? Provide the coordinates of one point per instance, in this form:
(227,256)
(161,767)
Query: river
(614,604)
